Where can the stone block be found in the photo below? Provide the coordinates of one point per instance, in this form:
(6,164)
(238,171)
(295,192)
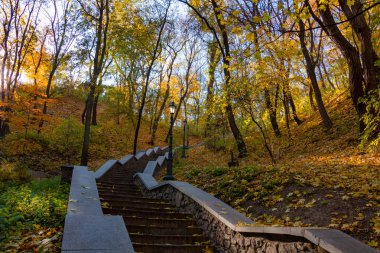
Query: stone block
(84,197)
(150,168)
(66,173)
(105,168)
(126,159)
(161,161)
(277,230)
(95,233)
(140,155)
(147,180)
(250,229)
(344,245)
(150,152)
(314,235)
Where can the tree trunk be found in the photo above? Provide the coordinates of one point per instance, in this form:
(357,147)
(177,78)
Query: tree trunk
(311,99)
(4,128)
(166,97)
(290,100)
(83,117)
(94,121)
(159,114)
(214,60)
(327,75)
(87,126)
(294,110)
(286,108)
(310,68)
(265,137)
(272,113)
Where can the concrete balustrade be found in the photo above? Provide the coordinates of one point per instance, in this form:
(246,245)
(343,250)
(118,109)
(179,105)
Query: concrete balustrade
(88,230)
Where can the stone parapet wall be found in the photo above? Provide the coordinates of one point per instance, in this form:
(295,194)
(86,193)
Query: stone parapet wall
(222,237)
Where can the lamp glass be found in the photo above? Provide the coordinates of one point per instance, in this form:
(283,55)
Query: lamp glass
(172,108)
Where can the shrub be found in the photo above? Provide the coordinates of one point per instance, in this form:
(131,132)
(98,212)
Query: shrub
(67,138)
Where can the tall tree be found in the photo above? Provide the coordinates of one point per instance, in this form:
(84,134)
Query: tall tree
(98,13)
(63,33)
(174,55)
(147,80)
(224,48)
(310,69)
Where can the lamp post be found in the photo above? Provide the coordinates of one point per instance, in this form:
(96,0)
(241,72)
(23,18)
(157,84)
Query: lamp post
(169,169)
(184,139)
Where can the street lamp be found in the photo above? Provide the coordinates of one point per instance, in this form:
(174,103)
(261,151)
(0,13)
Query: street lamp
(169,169)
(184,139)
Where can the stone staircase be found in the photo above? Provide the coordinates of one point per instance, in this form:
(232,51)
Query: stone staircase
(154,225)
(122,208)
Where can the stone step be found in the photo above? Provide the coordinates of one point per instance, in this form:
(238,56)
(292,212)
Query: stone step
(121,179)
(111,197)
(141,209)
(168,223)
(166,248)
(118,184)
(118,188)
(168,239)
(147,205)
(113,193)
(146,213)
(109,177)
(160,230)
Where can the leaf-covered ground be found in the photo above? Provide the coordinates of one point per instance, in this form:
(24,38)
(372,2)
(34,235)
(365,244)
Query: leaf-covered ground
(320,179)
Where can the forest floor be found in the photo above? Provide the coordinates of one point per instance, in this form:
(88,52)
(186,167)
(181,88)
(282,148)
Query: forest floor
(320,178)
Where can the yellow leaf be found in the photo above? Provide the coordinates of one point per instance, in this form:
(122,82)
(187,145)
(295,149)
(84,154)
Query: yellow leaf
(251,37)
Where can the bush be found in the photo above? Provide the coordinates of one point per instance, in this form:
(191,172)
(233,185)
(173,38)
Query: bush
(67,138)
(15,171)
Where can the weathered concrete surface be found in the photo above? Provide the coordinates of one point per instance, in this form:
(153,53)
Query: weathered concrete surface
(104,168)
(86,228)
(84,197)
(126,159)
(150,168)
(95,233)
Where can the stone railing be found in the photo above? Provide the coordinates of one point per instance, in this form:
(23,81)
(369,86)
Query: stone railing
(230,231)
(87,229)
